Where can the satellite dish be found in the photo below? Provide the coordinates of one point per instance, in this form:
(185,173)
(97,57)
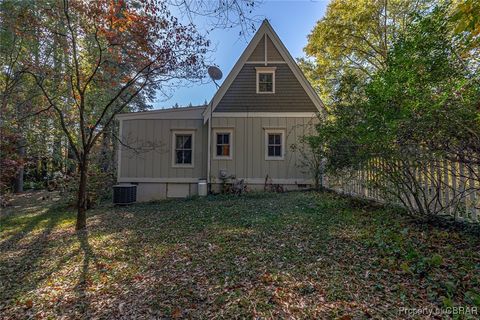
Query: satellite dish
(215,73)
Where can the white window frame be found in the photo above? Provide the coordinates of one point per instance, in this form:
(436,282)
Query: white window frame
(174,145)
(221,130)
(265,70)
(282,139)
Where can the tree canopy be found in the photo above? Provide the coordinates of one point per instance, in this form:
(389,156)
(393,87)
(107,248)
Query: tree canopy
(354,38)
(69,66)
(408,101)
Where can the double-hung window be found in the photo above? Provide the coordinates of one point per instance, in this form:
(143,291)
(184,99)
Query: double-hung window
(223,144)
(274,144)
(183,148)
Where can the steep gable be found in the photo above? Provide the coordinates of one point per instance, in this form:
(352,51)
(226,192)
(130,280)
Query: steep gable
(258,53)
(272,52)
(238,92)
(289,94)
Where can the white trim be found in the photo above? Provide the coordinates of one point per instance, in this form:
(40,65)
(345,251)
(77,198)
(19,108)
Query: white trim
(270,70)
(222,130)
(190,113)
(266,56)
(274,181)
(173,148)
(184,129)
(263,62)
(266,69)
(209,153)
(295,69)
(264,115)
(267,29)
(162,180)
(275,131)
(119,151)
(234,72)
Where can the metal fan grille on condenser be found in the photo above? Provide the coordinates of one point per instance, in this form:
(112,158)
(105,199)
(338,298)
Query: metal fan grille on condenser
(124,194)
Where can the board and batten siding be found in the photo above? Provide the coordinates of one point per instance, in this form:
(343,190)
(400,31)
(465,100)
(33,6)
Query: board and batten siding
(258,53)
(248,159)
(289,94)
(272,52)
(152,157)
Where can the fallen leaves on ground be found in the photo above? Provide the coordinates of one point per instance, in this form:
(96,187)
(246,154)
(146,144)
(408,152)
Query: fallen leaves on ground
(295,255)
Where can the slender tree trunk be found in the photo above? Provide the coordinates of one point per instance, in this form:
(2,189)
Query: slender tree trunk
(105,155)
(82,195)
(18,185)
(57,156)
(44,171)
(70,166)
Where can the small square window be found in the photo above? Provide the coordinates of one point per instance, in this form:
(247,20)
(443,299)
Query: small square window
(265,79)
(223,144)
(265,82)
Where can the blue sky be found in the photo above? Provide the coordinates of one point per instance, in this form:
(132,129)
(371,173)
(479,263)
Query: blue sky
(292,20)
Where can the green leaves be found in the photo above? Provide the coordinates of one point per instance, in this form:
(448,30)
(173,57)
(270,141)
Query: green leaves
(419,108)
(353,39)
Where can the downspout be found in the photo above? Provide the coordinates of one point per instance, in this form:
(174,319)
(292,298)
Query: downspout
(209,160)
(215,74)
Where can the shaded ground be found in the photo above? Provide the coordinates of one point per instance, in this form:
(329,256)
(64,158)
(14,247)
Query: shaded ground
(295,255)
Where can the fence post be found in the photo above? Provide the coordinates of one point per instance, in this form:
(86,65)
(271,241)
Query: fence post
(445,187)
(463,190)
(473,195)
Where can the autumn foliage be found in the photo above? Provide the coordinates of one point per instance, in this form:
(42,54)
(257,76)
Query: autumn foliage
(90,60)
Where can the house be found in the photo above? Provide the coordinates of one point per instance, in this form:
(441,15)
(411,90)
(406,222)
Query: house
(251,129)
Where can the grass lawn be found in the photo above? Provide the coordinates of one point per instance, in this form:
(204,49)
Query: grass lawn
(294,255)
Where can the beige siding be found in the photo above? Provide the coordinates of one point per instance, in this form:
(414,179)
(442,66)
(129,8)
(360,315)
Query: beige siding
(249,148)
(289,94)
(272,52)
(151,144)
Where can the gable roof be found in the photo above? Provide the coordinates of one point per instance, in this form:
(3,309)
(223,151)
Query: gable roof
(265,29)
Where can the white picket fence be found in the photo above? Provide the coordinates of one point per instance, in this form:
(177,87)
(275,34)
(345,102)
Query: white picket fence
(445,188)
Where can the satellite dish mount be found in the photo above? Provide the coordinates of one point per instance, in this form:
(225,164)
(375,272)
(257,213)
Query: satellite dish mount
(215,74)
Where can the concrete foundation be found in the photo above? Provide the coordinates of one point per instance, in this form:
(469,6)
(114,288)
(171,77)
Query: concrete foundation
(151,191)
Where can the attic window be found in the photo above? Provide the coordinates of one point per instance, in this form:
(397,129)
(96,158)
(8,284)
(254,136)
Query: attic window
(265,79)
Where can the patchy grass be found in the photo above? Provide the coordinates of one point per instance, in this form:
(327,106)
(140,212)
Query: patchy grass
(295,255)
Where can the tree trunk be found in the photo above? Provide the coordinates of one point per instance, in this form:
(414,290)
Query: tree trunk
(57,156)
(18,185)
(106,152)
(82,196)
(70,166)
(44,171)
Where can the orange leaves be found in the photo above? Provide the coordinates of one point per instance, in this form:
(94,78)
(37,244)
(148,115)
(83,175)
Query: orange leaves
(177,313)
(126,79)
(29,304)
